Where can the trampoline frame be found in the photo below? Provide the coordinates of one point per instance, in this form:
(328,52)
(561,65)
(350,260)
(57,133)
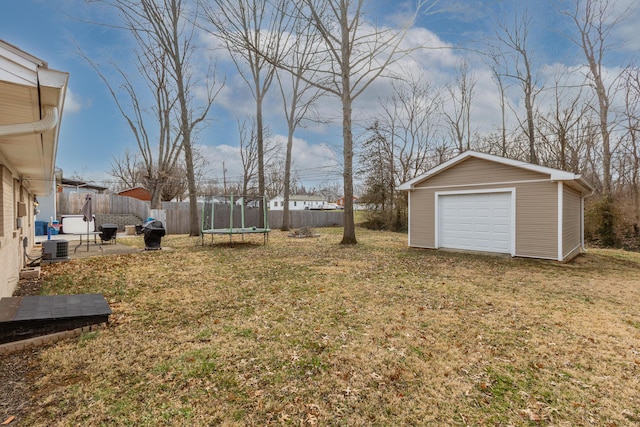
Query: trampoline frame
(235,230)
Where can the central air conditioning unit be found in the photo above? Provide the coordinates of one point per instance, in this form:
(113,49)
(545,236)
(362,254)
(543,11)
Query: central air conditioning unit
(55,251)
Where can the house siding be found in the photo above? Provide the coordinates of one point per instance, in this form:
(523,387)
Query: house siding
(536,204)
(6,200)
(572,236)
(10,248)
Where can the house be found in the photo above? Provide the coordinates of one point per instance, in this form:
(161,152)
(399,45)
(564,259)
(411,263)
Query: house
(31,102)
(482,202)
(48,207)
(252,201)
(74,186)
(340,203)
(300,202)
(139,193)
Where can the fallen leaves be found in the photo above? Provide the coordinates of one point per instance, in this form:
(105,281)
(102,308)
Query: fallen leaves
(325,334)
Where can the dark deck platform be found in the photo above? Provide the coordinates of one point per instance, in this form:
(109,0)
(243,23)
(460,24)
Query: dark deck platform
(31,316)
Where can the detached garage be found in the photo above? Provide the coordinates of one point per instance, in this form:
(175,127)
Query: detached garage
(486,203)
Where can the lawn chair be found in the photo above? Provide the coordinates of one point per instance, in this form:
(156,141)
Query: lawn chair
(108,233)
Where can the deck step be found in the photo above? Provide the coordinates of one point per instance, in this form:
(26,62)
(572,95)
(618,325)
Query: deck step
(31,316)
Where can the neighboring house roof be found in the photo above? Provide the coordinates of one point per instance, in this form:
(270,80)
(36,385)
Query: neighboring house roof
(31,103)
(81,184)
(554,174)
(139,193)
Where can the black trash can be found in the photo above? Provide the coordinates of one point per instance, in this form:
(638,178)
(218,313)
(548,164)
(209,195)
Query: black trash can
(153,232)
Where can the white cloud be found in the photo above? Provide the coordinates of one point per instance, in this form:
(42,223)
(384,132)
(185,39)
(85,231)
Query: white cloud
(313,163)
(218,155)
(73,103)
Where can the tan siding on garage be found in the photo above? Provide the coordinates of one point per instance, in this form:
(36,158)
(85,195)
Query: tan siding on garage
(536,203)
(422,214)
(536,216)
(479,171)
(571,222)
(537,220)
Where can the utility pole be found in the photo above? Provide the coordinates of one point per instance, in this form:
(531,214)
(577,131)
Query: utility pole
(224,178)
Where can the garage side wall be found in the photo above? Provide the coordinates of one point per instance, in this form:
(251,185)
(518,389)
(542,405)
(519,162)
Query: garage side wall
(536,204)
(537,220)
(571,217)
(422,219)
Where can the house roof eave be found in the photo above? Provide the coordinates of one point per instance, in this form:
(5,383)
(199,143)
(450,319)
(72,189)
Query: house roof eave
(29,138)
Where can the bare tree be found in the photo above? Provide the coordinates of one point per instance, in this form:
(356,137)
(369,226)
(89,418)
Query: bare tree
(594,21)
(298,96)
(400,145)
(632,148)
(352,55)
(161,30)
(248,154)
(413,110)
(159,151)
(461,96)
(495,60)
(248,27)
(126,169)
(518,65)
(275,175)
(557,128)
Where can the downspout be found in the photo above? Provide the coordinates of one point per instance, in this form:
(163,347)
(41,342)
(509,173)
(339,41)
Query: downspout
(48,122)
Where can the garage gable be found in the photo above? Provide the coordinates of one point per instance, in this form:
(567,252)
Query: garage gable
(472,167)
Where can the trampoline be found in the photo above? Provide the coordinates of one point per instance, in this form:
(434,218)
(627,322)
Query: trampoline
(231,215)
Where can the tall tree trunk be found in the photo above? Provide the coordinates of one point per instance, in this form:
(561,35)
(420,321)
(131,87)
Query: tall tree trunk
(533,158)
(185,125)
(287,179)
(156,194)
(349,234)
(260,137)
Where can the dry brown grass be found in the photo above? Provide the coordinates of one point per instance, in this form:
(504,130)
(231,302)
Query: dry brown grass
(305,331)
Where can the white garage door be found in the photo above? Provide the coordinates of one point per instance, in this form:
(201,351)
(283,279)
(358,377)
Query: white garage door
(479,222)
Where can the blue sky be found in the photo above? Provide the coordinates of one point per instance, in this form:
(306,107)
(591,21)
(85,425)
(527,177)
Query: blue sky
(93,130)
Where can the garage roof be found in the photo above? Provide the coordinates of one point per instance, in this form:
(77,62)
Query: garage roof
(31,103)
(571,178)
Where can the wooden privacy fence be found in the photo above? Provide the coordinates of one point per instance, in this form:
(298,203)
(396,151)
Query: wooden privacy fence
(178,217)
(310,218)
(71,204)
(177,213)
(178,222)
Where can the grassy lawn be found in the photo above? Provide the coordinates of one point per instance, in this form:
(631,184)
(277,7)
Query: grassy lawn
(307,332)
